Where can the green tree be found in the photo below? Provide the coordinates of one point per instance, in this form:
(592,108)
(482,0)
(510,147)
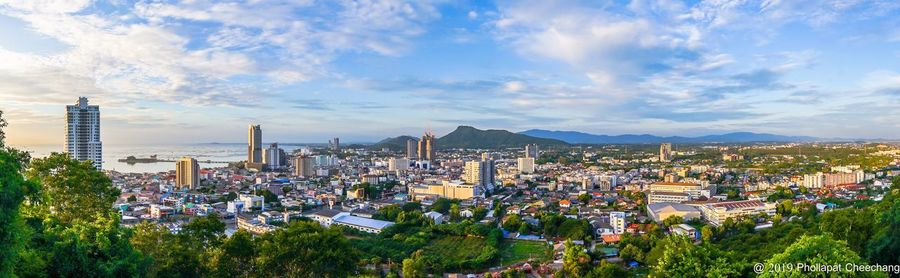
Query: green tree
(584,198)
(441,205)
(13,189)
(70,190)
(707,233)
(414,266)
(631,252)
(154,241)
(816,250)
(231,196)
(454,213)
(208,231)
(607,270)
(305,249)
(576,261)
(885,245)
(673,220)
(235,257)
(682,258)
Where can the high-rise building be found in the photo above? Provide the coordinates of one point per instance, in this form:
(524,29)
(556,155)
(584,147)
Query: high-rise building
(531,150)
(397,163)
(411,149)
(303,166)
(83,132)
(526,165)
(273,156)
(187,173)
(665,152)
(480,172)
(426,147)
(254,145)
(335,144)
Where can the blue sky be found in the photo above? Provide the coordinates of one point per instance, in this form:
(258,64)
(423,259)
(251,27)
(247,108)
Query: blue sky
(199,71)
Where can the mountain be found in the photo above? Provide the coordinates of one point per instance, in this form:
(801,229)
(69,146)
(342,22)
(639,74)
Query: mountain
(394,143)
(575,137)
(472,138)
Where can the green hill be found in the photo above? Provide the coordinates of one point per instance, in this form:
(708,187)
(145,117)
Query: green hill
(472,138)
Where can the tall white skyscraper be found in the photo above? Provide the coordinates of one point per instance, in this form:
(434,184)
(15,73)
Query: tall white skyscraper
(83,132)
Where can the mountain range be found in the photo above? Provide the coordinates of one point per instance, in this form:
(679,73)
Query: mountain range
(472,138)
(575,137)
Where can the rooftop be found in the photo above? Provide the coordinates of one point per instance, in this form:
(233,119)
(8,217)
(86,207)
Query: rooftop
(737,204)
(675,184)
(346,218)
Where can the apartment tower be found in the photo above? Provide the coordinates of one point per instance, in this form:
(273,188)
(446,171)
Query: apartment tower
(83,132)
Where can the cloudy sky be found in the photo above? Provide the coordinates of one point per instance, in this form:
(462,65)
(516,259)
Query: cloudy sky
(199,71)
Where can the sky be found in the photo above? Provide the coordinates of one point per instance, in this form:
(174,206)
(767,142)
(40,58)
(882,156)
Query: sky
(200,71)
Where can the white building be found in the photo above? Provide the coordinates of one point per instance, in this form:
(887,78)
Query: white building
(717,213)
(252,201)
(480,173)
(526,165)
(617,221)
(395,164)
(273,156)
(83,132)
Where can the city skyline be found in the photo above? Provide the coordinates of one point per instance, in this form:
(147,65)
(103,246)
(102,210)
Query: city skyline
(174,72)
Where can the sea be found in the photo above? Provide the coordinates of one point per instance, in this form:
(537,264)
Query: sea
(219,152)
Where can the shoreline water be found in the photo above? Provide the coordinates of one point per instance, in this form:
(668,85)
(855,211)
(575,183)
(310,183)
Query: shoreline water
(222,152)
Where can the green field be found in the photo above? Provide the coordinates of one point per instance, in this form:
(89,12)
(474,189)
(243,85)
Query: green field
(455,248)
(514,251)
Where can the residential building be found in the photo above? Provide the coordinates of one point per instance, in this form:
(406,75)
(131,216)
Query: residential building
(303,166)
(187,173)
(254,147)
(252,201)
(526,165)
(83,132)
(274,157)
(335,144)
(481,172)
(411,149)
(398,164)
(426,147)
(617,221)
(444,189)
(665,152)
(532,151)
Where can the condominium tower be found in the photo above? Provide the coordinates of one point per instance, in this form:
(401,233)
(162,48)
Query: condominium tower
(531,150)
(426,147)
(187,173)
(254,145)
(303,166)
(411,149)
(665,152)
(83,132)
